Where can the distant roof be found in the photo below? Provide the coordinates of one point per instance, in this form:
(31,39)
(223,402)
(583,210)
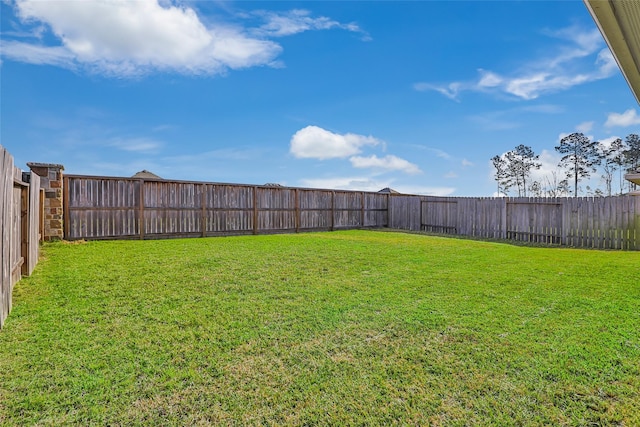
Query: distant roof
(146,174)
(45,165)
(389,190)
(272,184)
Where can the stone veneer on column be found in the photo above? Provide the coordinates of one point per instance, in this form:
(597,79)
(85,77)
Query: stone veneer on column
(51,183)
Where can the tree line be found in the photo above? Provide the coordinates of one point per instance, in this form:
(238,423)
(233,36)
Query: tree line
(582,159)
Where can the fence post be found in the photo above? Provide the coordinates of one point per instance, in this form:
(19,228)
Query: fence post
(503,218)
(565,211)
(296,197)
(33,222)
(255,209)
(41,216)
(141,208)
(203,220)
(389,210)
(66,217)
(362,212)
(24,225)
(333,208)
(636,221)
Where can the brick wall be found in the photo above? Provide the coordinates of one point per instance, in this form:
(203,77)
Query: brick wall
(51,183)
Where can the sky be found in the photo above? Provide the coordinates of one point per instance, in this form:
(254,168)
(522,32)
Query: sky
(417,96)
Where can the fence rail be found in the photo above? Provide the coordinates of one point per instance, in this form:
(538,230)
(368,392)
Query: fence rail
(20,211)
(116,208)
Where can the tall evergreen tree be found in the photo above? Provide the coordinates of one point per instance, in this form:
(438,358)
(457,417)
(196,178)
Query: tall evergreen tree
(632,151)
(500,174)
(520,162)
(580,157)
(616,155)
(611,161)
(632,154)
(513,169)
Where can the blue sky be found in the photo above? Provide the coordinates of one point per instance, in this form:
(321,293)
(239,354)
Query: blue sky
(417,96)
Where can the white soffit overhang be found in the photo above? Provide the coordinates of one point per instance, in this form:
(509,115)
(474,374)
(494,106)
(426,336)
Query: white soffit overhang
(633,177)
(619,23)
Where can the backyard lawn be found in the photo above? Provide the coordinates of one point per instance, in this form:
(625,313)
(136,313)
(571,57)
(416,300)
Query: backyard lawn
(340,328)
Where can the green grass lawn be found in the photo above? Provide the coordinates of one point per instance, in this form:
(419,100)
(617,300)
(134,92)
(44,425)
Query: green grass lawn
(341,328)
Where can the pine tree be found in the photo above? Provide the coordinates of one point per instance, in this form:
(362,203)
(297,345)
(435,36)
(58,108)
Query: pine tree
(514,167)
(632,153)
(580,157)
(500,174)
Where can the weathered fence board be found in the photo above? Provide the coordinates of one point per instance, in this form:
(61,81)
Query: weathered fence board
(20,213)
(6,213)
(376,209)
(315,209)
(17,256)
(586,222)
(404,212)
(34,212)
(106,208)
(102,208)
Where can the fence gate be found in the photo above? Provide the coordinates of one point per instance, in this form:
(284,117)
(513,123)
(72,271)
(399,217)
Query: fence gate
(535,221)
(439,215)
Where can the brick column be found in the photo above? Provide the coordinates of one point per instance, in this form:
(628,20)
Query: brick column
(51,183)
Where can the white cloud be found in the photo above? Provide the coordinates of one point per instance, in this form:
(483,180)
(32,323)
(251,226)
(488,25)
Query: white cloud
(489,79)
(425,191)
(163,128)
(346,183)
(451,90)
(387,163)
(466,163)
(606,142)
(34,54)
(133,38)
(317,143)
(560,71)
(297,21)
(549,164)
(368,184)
(607,63)
(451,175)
(628,118)
(585,127)
(438,152)
(136,37)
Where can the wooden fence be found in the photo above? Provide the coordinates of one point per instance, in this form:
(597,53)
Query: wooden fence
(584,222)
(116,208)
(20,213)
(121,208)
